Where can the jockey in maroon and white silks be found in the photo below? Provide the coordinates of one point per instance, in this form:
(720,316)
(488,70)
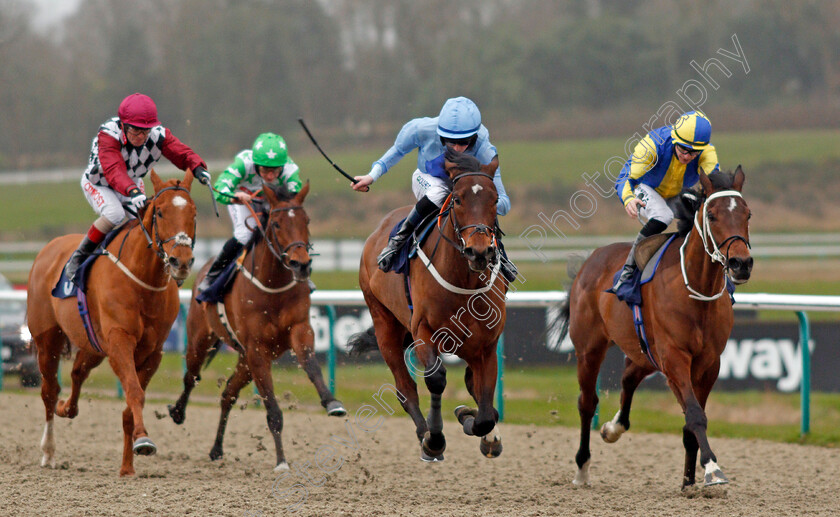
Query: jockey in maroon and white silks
(122,153)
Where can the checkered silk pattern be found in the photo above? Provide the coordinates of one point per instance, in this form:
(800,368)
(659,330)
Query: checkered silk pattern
(138,160)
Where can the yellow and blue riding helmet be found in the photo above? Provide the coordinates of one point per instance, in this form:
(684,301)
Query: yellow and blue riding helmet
(692,130)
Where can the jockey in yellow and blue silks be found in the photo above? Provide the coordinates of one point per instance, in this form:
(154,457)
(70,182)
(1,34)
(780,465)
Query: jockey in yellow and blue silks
(459,128)
(664,162)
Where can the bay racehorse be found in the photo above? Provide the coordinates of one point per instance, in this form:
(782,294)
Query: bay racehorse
(267,308)
(132,302)
(687,315)
(458,307)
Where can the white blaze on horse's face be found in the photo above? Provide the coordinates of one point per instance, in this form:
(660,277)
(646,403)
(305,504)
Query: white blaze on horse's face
(182,239)
(291,213)
(179,201)
(477,188)
(732,204)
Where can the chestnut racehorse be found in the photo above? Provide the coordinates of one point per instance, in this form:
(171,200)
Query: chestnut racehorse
(458,298)
(687,315)
(132,302)
(268,310)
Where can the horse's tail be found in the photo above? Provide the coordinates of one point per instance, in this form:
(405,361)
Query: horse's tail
(211,353)
(362,342)
(558,325)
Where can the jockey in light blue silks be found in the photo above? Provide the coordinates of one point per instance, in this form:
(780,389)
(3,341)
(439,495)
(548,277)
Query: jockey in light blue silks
(458,127)
(663,163)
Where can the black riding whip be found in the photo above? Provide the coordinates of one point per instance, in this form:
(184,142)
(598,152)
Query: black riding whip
(339,169)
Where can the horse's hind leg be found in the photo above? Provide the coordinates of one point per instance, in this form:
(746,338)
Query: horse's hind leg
(589,359)
(84,363)
(303,343)
(240,378)
(49,346)
(633,375)
(200,339)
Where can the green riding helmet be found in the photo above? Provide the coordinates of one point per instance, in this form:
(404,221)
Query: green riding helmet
(270,151)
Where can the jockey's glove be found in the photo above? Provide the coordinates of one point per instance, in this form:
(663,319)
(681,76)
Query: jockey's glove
(202,175)
(138,199)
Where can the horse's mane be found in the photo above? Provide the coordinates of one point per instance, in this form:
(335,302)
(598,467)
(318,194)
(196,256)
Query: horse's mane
(281,191)
(691,199)
(461,161)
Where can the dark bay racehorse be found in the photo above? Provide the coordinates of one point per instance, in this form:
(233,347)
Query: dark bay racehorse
(132,301)
(687,314)
(267,308)
(459,308)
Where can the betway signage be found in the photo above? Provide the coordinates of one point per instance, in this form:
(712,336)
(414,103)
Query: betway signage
(758,355)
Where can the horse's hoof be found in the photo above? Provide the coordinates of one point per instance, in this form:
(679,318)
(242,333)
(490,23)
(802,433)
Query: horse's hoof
(462,412)
(48,461)
(282,466)
(216,454)
(430,459)
(176,413)
(143,446)
(431,451)
(582,475)
(611,432)
(491,448)
(335,408)
(713,475)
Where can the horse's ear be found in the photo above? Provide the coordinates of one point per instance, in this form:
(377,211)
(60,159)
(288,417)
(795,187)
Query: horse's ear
(451,169)
(738,180)
(156,181)
(705,182)
(300,196)
(188,177)
(270,196)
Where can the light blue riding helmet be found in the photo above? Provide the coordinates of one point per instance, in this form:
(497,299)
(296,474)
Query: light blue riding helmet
(459,118)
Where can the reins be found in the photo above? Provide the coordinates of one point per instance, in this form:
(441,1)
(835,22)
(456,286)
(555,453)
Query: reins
(448,212)
(711,248)
(155,244)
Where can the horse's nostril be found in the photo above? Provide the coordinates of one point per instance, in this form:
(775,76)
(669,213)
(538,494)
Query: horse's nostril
(173,261)
(192,261)
(749,263)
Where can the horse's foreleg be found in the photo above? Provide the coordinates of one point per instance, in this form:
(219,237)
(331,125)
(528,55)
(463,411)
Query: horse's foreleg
(49,352)
(240,378)
(260,366)
(712,474)
(434,442)
(631,378)
(303,343)
(694,431)
(84,363)
(195,357)
(482,421)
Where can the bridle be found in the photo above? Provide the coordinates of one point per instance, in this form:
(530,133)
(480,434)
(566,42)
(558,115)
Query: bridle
(711,248)
(449,211)
(273,242)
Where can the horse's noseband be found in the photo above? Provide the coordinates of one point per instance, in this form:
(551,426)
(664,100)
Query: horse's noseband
(180,238)
(283,255)
(477,228)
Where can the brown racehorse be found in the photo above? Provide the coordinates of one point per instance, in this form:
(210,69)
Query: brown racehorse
(459,308)
(268,309)
(687,314)
(133,301)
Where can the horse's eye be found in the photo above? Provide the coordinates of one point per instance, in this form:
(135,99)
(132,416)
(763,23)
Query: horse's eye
(712,218)
(457,200)
(159,213)
(749,216)
(275,225)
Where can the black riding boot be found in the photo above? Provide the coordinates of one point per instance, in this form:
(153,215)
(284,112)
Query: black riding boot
(508,268)
(230,251)
(421,210)
(84,250)
(652,227)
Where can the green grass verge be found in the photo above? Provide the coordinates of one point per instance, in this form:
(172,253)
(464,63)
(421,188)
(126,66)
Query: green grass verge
(544,396)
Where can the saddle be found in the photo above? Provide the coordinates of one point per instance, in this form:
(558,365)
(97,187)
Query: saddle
(64,288)
(409,249)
